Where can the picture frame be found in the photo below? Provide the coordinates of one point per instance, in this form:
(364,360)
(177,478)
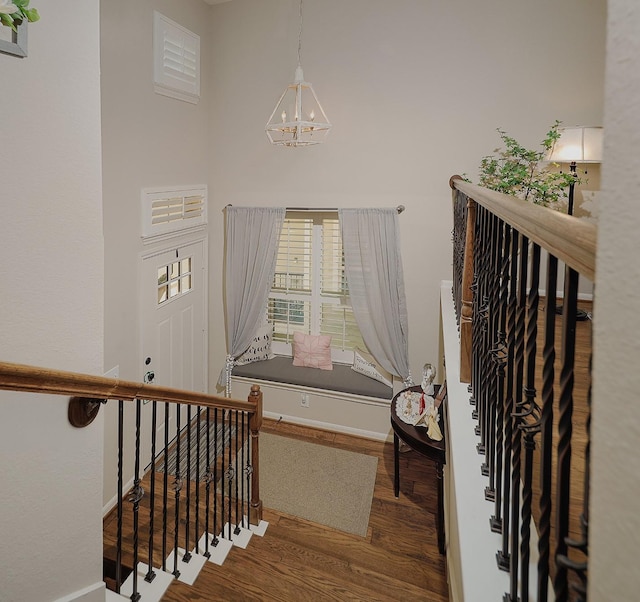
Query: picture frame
(17,46)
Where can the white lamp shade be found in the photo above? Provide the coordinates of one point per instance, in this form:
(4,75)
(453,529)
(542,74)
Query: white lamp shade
(579,144)
(298,119)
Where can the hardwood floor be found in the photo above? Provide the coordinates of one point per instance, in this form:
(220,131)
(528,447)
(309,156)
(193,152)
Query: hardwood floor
(298,560)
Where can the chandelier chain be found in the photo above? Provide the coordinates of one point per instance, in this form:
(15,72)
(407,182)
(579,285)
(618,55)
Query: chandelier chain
(300,35)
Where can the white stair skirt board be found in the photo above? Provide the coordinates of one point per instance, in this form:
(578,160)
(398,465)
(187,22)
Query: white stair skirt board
(189,571)
(149,592)
(218,552)
(113,597)
(238,539)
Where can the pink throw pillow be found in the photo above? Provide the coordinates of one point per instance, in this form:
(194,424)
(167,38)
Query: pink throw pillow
(312,351)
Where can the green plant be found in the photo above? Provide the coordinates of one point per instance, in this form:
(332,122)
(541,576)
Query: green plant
(14,12)
(521,172)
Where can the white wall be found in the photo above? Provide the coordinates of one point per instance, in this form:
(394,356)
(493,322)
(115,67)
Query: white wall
(415,91)
(614,521)
(149,140)
(51,291)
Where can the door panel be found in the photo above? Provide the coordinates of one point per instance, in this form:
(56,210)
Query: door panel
(173,324)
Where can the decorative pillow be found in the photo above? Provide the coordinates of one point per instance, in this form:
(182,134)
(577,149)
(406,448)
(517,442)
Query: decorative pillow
(312,351)
(260,348)
(364,363)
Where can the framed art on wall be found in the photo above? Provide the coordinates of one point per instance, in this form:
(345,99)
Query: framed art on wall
(14,42)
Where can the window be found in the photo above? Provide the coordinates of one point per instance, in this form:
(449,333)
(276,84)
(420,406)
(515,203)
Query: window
(309,292)
(176,60)
(174,280)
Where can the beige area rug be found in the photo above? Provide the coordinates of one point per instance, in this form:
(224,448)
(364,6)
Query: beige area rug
(321,484)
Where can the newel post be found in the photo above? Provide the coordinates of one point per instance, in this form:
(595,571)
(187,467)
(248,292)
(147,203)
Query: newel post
(255,423)
(466,311)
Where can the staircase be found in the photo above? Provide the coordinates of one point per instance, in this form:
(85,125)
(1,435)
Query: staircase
(187,474)
(191,506)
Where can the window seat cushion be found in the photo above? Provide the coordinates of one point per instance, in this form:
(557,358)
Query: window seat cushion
(342,378)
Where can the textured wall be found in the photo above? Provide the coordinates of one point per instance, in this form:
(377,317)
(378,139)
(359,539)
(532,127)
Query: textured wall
(51,292)
(615,485)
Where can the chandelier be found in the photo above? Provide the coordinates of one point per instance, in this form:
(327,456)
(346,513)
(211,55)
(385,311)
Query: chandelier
(298,118)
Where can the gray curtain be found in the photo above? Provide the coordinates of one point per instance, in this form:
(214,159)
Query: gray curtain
(373,266)
(252,236)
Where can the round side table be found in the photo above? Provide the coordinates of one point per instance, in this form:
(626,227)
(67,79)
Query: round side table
(416,438)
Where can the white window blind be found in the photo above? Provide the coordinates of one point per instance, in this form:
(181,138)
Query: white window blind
(176,60)
(309,292)
(167,211)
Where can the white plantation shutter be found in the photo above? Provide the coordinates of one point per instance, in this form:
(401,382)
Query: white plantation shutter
(290,301)
(176,60)
(309,292)
(172,210)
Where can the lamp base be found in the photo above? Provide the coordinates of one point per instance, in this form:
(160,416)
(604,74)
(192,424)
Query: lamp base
(581,315)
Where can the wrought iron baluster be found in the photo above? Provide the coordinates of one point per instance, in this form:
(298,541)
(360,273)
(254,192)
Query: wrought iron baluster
(476,327)
(485,271)
(565,428)
(214,540)
(120,494)
(237,474)
(580,568)
(165,490)
(187,522)
(546,429)
(500,358)
(531,428)
(177,486)
(223,474)
(459,226)
(484,344)
(516,416)
(242,472)
(197,522)
(229,475)
(135,496)
(208,479)
(496,238)
(503,557)
(150,576)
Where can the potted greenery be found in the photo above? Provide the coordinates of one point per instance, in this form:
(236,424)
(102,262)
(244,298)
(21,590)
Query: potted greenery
(524,173)
(14,12)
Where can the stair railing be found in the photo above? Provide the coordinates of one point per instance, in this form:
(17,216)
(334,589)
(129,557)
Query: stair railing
(497,246)
(186,446)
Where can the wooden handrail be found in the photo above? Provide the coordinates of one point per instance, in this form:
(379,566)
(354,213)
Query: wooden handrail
(571,240)
(20,377)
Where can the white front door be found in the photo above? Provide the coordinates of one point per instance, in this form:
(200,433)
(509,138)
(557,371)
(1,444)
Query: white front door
(174,321)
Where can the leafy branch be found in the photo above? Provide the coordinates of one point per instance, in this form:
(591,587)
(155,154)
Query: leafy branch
(14,12)
(523,173)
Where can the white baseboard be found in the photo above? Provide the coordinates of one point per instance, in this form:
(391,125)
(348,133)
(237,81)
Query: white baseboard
(113,502)
(93,593)
(336,428)
(560,295)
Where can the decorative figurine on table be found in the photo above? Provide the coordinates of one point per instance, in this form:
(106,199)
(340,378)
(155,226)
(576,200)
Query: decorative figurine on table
(428,374)
(419,409)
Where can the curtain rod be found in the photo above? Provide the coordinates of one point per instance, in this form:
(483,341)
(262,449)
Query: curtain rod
(399,209)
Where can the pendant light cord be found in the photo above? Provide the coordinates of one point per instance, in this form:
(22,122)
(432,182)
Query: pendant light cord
(300,35)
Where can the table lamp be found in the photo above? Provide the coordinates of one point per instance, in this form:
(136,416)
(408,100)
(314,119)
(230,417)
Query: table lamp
(579,144)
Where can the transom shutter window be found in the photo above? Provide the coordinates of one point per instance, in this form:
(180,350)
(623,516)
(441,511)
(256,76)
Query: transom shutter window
(176,60)
(309,292)
(172,211)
